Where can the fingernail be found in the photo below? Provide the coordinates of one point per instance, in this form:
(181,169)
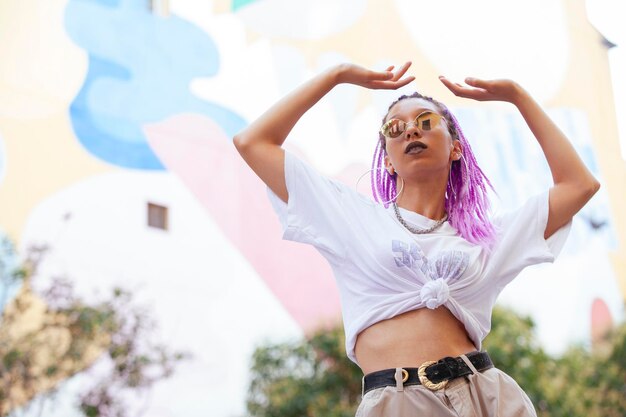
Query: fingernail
(441,76)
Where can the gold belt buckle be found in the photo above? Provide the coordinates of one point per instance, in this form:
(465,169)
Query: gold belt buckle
(421,374)
(405,375)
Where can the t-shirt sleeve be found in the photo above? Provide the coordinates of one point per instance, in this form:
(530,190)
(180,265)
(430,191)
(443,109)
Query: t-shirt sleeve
(520,241)
(316,212)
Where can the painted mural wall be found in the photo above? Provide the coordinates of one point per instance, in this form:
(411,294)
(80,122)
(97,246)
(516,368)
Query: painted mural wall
(107,105)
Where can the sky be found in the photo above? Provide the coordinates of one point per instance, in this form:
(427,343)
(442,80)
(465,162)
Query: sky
(608,17)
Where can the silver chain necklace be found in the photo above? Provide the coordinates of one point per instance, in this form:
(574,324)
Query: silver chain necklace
(414,229)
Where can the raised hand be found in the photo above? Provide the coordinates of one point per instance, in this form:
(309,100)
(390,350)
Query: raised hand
(260,144)
(485,90)
(388,79)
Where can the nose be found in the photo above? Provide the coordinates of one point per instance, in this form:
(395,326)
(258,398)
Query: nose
(412,129)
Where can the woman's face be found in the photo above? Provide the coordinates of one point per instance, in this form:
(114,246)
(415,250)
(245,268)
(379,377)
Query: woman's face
(419,149)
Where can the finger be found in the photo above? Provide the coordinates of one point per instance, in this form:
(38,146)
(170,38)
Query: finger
(476,82)
(390,68)
(462,91)
(404,81)
(456,88)
(380,75)
(403,69)
(392,85)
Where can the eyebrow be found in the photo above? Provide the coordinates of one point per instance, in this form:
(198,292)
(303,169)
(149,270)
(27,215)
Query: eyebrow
(422,110)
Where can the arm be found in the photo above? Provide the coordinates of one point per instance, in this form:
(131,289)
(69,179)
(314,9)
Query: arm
(260,143)
(574,185)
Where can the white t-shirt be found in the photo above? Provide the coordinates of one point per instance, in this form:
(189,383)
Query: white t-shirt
(383,270)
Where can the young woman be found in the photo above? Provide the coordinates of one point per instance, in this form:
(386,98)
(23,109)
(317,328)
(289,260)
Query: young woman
(419,269)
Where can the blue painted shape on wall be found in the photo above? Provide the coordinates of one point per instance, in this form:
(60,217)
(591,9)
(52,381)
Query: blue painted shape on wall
(109,3)
(140,69)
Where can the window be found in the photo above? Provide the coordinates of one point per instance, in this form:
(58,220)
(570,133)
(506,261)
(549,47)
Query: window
(157,216)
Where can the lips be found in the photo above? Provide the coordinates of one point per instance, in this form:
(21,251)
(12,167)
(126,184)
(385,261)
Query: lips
(415,146)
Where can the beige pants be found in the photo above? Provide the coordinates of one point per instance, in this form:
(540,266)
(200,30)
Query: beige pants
(483,394)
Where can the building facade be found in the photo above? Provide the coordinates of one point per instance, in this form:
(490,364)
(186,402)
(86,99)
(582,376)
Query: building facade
(116,125)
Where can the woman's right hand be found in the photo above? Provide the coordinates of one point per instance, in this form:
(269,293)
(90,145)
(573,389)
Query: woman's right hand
(260,144)
(377,80)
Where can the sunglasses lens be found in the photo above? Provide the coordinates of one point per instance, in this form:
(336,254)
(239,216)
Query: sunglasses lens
(426,121)
(393,128)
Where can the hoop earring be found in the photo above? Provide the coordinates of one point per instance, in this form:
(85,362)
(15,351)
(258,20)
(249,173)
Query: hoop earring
(450,181)
(464,162)
(382,202)
(450,173)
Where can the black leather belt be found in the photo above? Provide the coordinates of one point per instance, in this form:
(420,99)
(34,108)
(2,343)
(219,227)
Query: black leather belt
(433,375)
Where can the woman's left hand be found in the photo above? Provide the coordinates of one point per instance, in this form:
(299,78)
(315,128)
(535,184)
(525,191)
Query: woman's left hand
(485,90)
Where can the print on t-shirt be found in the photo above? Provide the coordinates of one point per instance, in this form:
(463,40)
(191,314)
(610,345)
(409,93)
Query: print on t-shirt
(448,265)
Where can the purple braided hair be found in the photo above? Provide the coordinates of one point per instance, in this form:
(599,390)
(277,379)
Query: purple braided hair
(466,202)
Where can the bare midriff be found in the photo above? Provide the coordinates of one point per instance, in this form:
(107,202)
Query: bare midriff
(410,339)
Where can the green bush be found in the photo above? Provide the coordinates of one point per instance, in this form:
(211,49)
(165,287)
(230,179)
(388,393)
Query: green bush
(313,377)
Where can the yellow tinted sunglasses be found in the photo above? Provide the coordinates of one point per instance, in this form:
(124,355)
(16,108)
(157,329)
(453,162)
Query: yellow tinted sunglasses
(424,121)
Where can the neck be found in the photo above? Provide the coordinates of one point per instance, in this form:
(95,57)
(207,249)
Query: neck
(425,196)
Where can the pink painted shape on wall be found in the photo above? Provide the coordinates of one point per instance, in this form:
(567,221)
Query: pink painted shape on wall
(601,319)
(196,150)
